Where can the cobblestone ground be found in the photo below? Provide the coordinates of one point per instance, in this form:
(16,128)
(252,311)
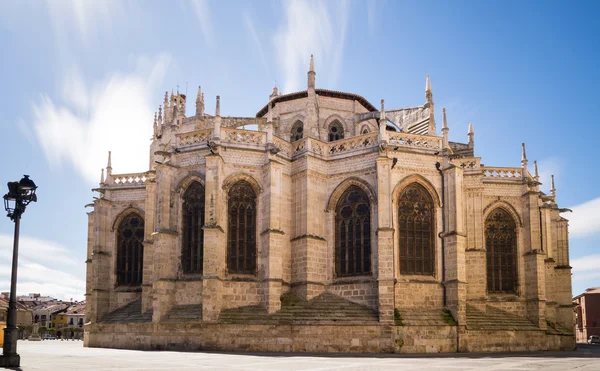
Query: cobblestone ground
(71,355)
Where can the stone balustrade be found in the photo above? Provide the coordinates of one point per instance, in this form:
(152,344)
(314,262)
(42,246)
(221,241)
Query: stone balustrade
(133,179)
(414,140)
(248,137)
(504,173)
(194,137)
(350,144)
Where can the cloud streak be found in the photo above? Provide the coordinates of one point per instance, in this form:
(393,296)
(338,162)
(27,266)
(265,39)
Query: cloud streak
(585,219)
(202,11)
(44,267)
(114,114)
(310,27)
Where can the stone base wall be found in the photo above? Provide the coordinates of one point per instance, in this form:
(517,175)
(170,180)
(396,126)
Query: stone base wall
(419,295)
(188,292)
(513,341)
(317,338)
(361,293)
(120,299)
(239,294)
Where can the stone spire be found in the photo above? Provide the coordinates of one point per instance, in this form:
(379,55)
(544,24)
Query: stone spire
(428,92)
(431,130)
(218,109)
(101,176)
(471,135)
(270,114)
(382,123)
(160,115)
(200,103)
(524,161)
(311,73)
(445,129)
(154,125)
(108,168)
(553,190)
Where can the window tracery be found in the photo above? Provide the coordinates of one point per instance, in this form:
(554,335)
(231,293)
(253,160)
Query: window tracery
(241,246)
(130,251)
(336,131)
(501,246)
(297,131)
(416,231)
(192,249)
(353,233)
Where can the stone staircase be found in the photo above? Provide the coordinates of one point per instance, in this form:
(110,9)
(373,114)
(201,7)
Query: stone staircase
(326,308)
(184,313)
(129,313)
(496,319)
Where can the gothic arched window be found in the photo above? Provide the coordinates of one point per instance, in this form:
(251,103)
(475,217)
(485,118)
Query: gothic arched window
(416,231)
(364,130)
(241,244)
(336,131)
(297,131)
(501,246)
(192,249)
(353,233)
(130,251)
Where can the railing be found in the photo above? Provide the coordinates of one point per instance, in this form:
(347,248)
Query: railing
(129,179)
(243,136)
(194,137)
(284,147)
(359,142)
(502,172)
(458,146)
(414,140)
(472,163)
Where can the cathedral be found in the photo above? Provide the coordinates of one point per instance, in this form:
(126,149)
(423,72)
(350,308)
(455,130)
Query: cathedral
(324,224)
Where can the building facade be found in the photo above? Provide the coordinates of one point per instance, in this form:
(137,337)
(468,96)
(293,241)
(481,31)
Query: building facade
(334,226)
(587,314)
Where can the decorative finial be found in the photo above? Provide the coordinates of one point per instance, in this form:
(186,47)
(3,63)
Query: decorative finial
(200,102)
(218,110)
(166,102)
(109,165)
(553,190)
(523,153)
(311,73)
(159,114)
(154,118)
(428,92)
(536,175)
(444,121)
(102,176)
(471,132)
(199,96)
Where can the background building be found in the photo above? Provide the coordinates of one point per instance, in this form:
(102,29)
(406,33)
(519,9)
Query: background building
(587,314)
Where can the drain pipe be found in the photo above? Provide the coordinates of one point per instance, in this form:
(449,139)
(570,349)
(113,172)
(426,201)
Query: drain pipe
(438,167)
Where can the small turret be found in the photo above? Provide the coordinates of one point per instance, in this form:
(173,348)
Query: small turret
(311,73)
(218,108)
(536,175)
(428,92)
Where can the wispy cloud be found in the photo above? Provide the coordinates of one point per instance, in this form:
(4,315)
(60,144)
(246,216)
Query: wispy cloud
(44,267)
(114,114)
(585,219)
(548,167)
(372,15)
(87,17)
(256,40)
(311,27)
(585,270)
(202,11)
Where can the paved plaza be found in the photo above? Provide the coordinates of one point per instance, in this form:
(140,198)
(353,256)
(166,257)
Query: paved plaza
(71,355)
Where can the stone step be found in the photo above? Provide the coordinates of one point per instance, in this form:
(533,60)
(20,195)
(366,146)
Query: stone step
(496,319)
(129,313)
(184,313)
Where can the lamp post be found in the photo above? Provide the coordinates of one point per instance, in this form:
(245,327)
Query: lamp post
(19,195)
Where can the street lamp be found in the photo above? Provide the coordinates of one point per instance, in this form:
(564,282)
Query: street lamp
(19,195)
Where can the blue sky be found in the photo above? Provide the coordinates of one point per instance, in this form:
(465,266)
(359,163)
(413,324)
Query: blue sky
(82,77)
